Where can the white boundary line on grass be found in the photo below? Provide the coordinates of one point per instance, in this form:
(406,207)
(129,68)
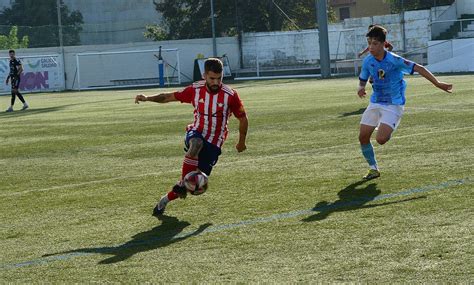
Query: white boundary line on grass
(224,163)
(224,227)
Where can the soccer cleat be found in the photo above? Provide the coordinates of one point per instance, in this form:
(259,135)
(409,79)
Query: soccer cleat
(181,190)
(372,174)
(9,109)
(25,106)
(159,208)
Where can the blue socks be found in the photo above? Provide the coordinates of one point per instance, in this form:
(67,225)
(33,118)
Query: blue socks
(369,154)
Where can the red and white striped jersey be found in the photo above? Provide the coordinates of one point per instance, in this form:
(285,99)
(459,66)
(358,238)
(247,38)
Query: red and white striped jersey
(211,110)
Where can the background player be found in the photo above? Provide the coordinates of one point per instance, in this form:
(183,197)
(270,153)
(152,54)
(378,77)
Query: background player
(15,71)
(213,103)
(387,45)
(388,98)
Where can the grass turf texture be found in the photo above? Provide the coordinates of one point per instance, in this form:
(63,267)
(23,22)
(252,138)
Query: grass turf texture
(82,171)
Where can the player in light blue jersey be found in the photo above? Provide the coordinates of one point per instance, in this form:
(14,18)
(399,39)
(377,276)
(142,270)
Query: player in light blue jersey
(387,102)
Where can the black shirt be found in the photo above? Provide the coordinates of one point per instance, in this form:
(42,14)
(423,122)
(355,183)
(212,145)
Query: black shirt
(14,63)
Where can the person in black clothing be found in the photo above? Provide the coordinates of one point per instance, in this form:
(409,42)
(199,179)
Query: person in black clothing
(15,70)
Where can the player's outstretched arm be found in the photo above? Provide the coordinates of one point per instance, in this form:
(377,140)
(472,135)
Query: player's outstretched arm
(8,79)
(431,78)
(243,128)
(361,90)
(158,98)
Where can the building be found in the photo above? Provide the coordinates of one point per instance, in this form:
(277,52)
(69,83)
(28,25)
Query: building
(359,8)
(111,21)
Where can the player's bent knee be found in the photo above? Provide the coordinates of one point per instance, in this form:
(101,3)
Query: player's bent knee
(195,146)
(382,140)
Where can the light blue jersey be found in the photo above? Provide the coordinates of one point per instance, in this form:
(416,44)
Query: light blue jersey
(389,86)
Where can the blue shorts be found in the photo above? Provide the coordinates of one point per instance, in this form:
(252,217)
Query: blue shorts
(208,155)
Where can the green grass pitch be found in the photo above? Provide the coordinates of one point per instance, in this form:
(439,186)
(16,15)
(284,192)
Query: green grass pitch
(81,172)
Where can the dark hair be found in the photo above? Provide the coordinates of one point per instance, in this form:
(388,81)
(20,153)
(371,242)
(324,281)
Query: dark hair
(12,50)
(377,32)
(213,64)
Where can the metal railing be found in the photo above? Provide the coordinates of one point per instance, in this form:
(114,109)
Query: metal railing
(444,26)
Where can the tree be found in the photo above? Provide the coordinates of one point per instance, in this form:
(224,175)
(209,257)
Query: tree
(38,20)
(11,40)
(183,19)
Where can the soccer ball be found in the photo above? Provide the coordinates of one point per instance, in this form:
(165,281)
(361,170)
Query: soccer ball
(196,182)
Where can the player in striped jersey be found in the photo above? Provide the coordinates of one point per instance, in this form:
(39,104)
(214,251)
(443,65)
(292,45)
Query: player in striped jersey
(214,103)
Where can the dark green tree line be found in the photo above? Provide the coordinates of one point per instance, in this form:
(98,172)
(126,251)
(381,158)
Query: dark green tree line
(184,19)
(38,20)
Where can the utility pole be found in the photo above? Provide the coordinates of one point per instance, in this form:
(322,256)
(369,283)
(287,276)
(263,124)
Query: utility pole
(61,43)
(402,20)
(213,22)
(60,26)
(324,59)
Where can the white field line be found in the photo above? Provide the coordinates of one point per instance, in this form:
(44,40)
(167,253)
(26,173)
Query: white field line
(224,163)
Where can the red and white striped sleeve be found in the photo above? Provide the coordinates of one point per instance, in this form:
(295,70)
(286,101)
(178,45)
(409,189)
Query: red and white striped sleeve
(186,95)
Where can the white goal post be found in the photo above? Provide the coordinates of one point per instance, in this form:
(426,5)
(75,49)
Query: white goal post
(123,69)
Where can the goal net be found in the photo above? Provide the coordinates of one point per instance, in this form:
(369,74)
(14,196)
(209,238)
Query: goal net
(120,69)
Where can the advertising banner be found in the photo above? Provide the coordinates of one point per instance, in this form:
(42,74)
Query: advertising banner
(40,74)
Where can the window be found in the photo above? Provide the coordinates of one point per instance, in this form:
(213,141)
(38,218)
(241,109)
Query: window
(344,13)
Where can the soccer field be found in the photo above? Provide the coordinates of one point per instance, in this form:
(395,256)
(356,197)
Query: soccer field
(81,172)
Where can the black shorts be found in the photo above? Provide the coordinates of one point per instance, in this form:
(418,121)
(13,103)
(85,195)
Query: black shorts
(15,82)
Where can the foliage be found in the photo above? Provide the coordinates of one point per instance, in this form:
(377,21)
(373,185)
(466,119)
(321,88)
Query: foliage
(185,19)
(38,21)
(11,40)
(155,33)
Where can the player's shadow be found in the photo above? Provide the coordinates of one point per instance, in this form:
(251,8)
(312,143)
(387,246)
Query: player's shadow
(353,113)
(169,232)
(354,196)
(29,112)
(35,111)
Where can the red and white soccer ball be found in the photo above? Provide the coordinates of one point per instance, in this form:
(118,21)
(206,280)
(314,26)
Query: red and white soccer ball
(196,182)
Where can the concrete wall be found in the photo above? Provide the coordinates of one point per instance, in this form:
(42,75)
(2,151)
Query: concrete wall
(280,50)
(276,50)
(464,7)
(444,21)
(189,49)
(451,56)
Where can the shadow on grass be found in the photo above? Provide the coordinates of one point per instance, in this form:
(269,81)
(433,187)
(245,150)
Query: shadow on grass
(353,113)
(29,112)
(35,111)
(351,197)
(160,236)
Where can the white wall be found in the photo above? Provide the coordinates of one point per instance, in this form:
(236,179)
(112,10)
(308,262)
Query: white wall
(451,56)
(287,49)
(189,49)
(274,49)
(464,7)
